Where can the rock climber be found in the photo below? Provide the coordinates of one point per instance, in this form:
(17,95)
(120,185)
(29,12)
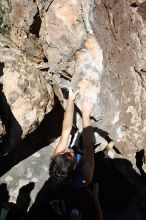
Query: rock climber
(65,167)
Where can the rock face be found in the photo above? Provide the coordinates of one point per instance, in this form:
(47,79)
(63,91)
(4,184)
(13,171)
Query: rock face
(89,44)
(98,44)
(25,22)
(98,47)
(5,9)
(123,85)
(142,9)
(25,95)
(62,31)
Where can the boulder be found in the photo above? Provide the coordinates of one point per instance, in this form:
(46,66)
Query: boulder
(26,95)
(98,47)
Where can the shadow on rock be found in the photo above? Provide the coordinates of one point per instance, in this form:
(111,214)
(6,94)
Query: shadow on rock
(2,65)
(10,210)
(23,200)
(118,187)
(13,130)
(55,201)
(119,194)
(4,194)
(46,133)
(140,160)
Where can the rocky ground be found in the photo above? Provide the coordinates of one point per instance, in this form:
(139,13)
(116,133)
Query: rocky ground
(33,169)
(122,191)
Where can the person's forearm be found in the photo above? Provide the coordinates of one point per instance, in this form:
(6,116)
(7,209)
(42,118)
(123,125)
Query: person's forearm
(68,116)
(86,120)
(67,124)
(87,132)
(88,155)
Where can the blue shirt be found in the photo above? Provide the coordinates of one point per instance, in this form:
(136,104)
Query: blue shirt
(78,180)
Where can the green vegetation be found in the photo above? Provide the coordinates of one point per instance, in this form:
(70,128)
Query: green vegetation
(4,18)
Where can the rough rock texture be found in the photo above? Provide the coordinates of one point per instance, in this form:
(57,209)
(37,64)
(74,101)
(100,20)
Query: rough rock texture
(27,173)
(136,2)
(142,9)
(2,130)
(123,85)
(25,23)
(5,9)
(97,44)
(62,31)
(112,62)
(25,95)
(98,47)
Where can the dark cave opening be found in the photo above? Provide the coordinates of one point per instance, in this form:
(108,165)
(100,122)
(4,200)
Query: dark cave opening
(1,68)
(36,25)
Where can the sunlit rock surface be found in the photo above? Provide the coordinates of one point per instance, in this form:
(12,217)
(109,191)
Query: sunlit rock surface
(98,47)
(26,96)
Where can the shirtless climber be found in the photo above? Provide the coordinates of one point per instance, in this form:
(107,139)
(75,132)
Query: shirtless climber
(64,166)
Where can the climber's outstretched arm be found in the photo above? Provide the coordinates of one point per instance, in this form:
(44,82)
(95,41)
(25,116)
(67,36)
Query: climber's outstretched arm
(67,124)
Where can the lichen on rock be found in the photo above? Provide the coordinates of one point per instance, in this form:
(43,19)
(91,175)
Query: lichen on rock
(5,9)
